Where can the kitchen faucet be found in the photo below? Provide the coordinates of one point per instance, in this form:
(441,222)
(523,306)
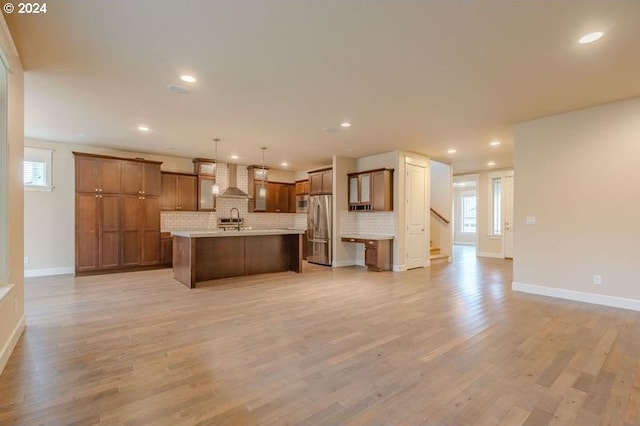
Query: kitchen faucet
(231,215)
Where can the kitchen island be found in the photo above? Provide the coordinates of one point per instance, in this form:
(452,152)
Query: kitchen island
(207,255)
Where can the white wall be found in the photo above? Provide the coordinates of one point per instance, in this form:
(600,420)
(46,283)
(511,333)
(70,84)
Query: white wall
(578,173)
(441,184)
(12,299)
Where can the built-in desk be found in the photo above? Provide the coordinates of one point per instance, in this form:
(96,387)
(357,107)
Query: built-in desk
(378,250)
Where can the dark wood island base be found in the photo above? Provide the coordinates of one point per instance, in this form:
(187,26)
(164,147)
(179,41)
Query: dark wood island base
(204,258)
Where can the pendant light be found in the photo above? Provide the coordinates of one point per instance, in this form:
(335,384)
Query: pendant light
(263,189)
(215,188)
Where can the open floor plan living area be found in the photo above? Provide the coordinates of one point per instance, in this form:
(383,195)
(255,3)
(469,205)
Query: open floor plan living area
(320,213)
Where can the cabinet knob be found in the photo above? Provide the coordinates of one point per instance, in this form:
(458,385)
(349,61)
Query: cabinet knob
(100,190)
(100,196)
(143,192)
(96,189)
(97,195)
(370,242)
(352,239)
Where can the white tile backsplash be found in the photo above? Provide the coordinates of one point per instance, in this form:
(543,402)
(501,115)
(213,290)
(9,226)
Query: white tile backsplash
(191,221)
(368,223)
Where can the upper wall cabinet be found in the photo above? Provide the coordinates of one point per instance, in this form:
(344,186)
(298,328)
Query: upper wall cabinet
(141,178)
(179,192)
(371,190)
(302,187)
(321,182)
(98,174)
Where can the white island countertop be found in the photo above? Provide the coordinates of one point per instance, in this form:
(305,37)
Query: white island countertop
(235,233)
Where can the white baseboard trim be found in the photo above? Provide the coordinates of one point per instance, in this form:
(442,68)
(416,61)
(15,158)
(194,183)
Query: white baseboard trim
(578,296)
(463,243)
(399,268)
(11,343)
(489,254)
(48,271)
(342,263)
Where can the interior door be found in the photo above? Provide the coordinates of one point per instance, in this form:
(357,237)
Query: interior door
(416,216)
(508,216)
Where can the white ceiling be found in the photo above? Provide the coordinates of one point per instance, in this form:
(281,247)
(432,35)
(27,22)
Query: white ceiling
(422,76)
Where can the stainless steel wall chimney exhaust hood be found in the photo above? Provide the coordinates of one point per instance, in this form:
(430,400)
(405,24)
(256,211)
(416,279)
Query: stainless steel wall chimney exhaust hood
(233,191)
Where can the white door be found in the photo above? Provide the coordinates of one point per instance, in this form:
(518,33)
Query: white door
(416,216)
(508,216)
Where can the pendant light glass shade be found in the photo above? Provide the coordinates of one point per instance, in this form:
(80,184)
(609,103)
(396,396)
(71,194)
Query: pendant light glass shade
(263,190)
(215,188)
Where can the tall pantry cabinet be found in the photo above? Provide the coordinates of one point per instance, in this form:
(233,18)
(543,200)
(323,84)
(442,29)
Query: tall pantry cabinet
(117,213)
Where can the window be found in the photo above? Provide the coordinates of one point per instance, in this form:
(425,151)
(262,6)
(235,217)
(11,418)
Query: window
(469,213)
(36,174)
(496,206)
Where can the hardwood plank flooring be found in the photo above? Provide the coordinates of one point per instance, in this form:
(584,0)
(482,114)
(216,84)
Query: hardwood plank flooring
(448,345)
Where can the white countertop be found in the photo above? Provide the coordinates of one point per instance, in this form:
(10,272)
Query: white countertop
(368,237)
(235,233)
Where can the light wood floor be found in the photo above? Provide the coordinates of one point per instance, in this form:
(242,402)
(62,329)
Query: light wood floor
(449,345)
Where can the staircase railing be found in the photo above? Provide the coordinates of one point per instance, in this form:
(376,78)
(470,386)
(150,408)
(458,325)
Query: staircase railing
(439,216)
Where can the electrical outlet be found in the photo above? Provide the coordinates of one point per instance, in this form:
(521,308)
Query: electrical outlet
(597,279)
(530,220)
(26,260)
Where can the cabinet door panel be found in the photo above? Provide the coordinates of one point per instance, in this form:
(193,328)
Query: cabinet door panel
(259,199)
(187,193)
(327,181)
(365,188)
(206,200)
(110,175)
(151,184)
(151,248)
(86,232)
(87,174)
(109,231)
(169,200)
(353,190)
(131,216)
(131,177)
(315,183)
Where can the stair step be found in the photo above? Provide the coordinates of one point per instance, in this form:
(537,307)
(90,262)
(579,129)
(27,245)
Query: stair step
(439,258)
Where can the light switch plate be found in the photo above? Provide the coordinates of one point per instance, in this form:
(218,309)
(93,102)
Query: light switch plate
(531,220)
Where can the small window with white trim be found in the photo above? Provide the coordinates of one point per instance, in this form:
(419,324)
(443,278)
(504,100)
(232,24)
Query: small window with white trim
(36,172)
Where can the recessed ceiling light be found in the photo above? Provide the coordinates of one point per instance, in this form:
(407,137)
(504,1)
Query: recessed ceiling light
(591,37)
(491,163)
(452,151)
(345,124)
(234,157)
(143,128)
(188,78)
(494,143)
(177,89)
(284,164)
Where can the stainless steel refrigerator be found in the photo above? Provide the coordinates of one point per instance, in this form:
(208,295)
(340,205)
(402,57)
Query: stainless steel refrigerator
(319,228)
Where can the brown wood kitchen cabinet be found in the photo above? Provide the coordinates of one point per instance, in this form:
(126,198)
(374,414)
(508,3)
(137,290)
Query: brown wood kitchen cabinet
(302,187)
(98,236)
(371,190)
(117,211)
(166,249)
(279,198)
(179,192)
(140,178)
(321,182)
(140,231)
(96,174)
